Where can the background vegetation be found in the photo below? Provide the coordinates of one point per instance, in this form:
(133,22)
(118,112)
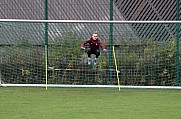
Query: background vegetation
(145,63)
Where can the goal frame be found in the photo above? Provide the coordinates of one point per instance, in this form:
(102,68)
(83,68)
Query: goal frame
(86,86)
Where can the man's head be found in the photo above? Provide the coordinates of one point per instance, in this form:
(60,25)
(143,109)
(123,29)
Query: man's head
(94,35)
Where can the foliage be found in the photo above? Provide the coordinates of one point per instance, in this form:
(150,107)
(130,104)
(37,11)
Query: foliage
(150,63)
(146,63)
(22,63)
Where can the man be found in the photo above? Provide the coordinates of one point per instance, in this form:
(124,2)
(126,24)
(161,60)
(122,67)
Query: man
(94,47)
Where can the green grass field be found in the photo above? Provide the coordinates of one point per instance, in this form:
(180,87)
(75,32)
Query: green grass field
(89,103)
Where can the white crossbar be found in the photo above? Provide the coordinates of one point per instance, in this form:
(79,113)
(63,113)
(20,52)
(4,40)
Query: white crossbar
(83,21)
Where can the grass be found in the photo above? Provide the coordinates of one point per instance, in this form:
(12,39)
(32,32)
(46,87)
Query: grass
(89,103)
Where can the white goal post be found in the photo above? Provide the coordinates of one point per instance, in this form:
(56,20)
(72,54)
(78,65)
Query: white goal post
(85,21)
(88,86)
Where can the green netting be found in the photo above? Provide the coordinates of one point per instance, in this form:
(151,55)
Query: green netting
(141,61)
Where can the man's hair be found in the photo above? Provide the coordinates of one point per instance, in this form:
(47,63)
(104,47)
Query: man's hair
(95,32)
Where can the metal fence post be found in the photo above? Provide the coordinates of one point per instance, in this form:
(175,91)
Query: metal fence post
(177,44)
(111,42)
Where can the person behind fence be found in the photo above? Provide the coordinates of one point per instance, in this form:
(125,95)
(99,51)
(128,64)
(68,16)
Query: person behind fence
(94,47)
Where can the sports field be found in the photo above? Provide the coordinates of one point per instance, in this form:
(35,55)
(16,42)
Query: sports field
(89,103)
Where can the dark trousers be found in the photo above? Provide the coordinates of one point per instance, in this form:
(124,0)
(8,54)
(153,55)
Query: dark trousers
(93,51)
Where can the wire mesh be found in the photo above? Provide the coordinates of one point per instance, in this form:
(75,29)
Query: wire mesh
(144,61)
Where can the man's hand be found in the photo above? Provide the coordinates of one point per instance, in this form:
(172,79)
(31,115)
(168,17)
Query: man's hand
(104,50)
(82,48)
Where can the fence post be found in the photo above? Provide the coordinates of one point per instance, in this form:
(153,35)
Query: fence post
(111,42)
(177,45)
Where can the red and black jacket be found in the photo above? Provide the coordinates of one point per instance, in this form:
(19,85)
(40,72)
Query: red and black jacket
(93,44)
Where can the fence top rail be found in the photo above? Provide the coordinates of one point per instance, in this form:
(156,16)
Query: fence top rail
(84,21)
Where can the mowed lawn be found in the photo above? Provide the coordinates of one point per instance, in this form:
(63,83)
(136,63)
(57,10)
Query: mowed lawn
(89,103)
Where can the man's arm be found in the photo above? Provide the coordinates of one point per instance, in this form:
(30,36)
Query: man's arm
(101,45)
(85,42)
(103,48)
